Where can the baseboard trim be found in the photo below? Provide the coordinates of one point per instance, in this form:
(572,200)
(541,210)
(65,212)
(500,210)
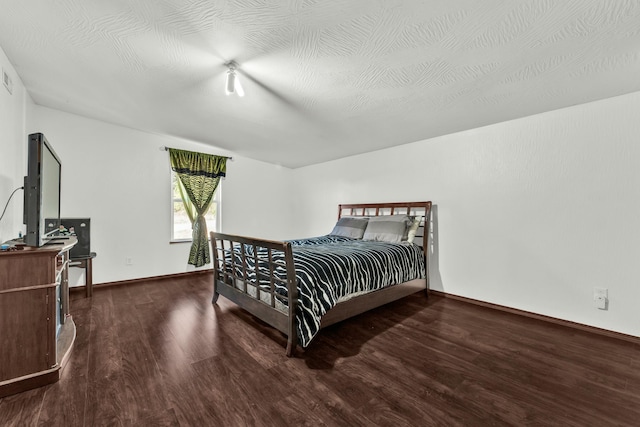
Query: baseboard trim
(531,315)
(141,280)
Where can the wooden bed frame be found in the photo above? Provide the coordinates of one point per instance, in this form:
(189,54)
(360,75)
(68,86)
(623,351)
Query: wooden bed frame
(279,311)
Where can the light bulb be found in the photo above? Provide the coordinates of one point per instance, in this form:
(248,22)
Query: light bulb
(231,79)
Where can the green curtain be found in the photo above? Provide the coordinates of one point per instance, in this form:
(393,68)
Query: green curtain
(199,175)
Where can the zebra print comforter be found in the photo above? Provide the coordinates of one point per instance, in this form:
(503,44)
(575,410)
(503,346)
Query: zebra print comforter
(327,272)
(329,268)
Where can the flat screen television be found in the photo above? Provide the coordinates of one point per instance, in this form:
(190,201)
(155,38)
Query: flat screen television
(41,191)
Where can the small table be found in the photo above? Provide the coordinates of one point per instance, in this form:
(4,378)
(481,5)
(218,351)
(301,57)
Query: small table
(86,263)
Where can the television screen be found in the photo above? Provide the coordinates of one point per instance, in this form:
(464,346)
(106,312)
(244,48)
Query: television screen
(42,191)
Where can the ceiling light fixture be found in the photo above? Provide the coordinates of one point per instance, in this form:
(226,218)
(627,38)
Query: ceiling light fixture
(233,84)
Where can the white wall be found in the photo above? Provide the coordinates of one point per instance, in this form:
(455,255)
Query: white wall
(120,179)
(13,164)
(532,213)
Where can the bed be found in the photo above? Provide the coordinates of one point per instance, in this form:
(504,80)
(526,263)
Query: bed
(301,286)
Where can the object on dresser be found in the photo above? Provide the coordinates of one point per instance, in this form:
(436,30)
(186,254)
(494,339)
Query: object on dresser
(81,228)
(42,186)
(13,245)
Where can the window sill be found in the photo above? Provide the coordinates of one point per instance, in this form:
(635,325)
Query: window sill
(172,241)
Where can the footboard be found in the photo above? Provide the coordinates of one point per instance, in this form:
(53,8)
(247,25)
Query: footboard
(259,276)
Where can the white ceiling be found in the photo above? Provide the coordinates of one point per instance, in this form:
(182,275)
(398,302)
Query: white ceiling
(323,79)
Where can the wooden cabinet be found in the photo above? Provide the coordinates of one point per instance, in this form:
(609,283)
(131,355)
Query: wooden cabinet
(36,329)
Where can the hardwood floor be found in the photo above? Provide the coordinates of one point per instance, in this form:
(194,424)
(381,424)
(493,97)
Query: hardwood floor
(158,353)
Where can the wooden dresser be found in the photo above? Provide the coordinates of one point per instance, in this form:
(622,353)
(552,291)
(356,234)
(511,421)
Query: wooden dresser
(36,329)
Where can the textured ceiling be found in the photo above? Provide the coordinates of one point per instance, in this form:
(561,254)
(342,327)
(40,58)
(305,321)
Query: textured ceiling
(323,79)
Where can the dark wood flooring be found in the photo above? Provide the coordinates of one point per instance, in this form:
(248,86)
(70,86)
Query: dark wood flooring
(158,353)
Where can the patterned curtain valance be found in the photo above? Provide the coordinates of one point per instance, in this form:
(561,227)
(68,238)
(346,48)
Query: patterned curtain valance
(199,175)
(197,164)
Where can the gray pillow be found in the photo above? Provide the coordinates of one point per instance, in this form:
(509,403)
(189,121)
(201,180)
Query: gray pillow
(350,227)
(387,228)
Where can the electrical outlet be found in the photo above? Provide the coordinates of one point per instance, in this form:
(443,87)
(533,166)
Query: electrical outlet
(600,298)
(128,261)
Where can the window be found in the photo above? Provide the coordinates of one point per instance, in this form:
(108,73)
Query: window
(180,223)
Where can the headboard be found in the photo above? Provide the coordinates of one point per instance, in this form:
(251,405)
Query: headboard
(408,208)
